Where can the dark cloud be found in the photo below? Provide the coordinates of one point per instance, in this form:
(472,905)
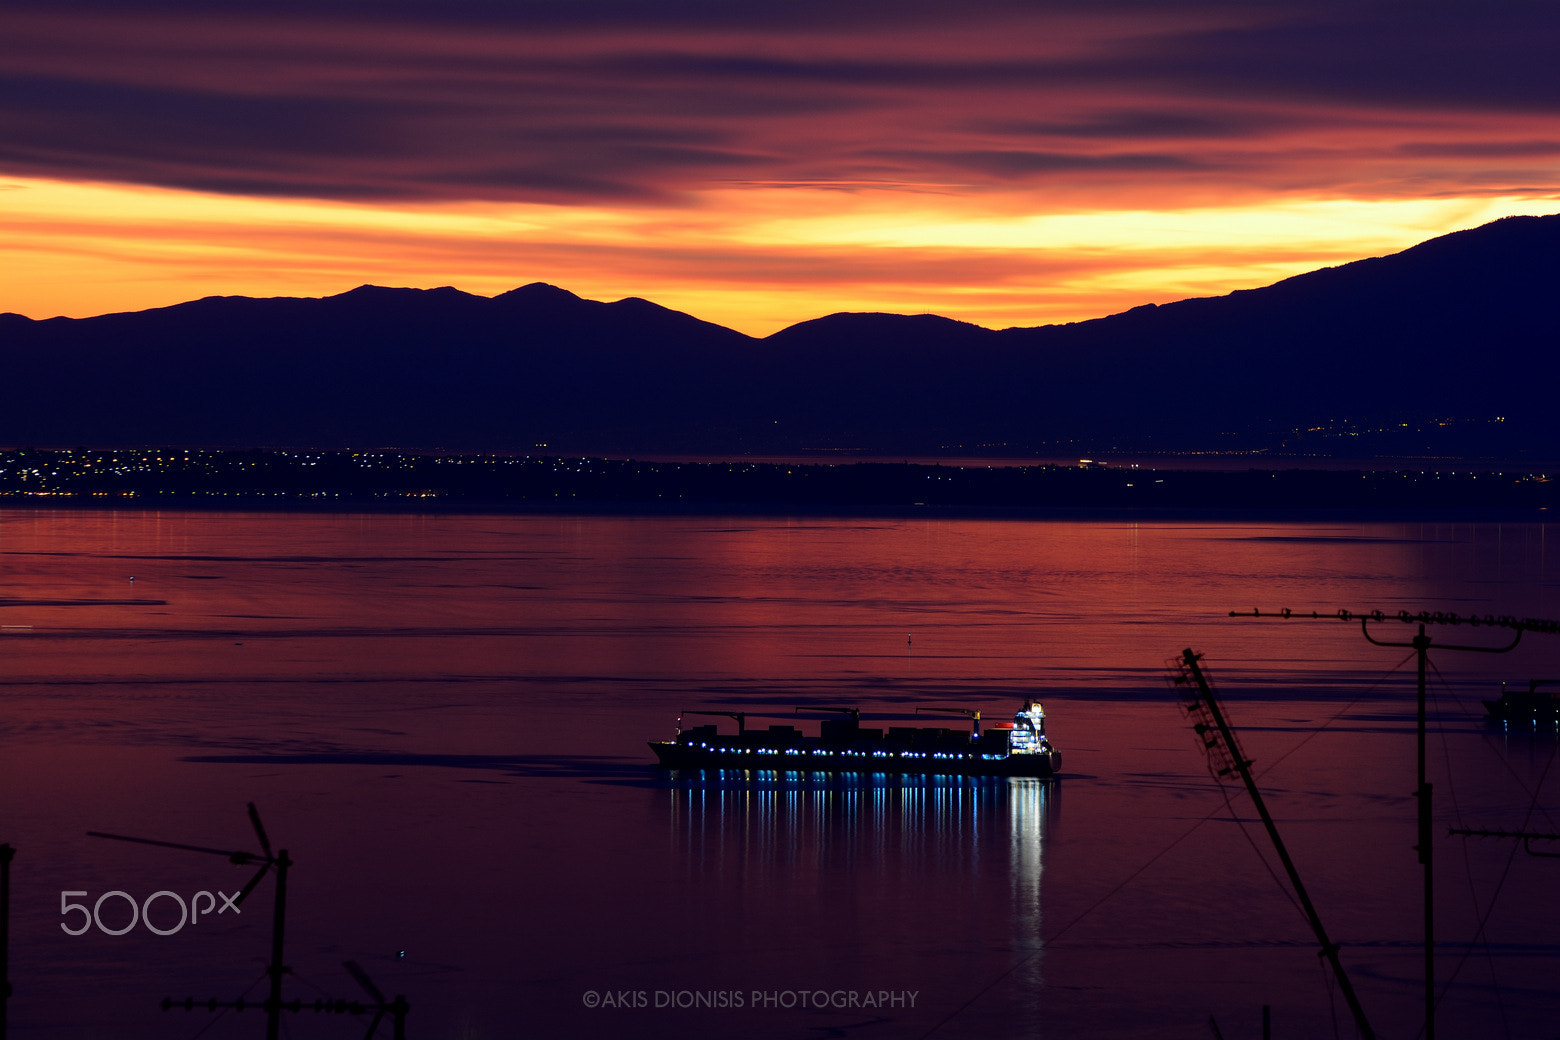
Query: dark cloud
(1015,163)
(692,15)
(768,73)
(1134,124)
(1494,57)
(1482,149)
(66,115)
(204,141)
(577,100)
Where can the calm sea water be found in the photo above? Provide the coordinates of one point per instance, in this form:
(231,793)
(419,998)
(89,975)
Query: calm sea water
(443,719)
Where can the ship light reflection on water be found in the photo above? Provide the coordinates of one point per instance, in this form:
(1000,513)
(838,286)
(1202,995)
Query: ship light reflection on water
(848,876)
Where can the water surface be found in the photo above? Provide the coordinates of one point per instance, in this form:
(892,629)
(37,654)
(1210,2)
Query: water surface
(443,718)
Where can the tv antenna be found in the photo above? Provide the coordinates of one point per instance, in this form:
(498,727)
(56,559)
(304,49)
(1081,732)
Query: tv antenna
(397,1007)
(1421,644)
(1528,838)
(274,1005)
(267,859)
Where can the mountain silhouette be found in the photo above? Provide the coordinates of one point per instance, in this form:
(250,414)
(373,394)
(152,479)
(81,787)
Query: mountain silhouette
(1448,346)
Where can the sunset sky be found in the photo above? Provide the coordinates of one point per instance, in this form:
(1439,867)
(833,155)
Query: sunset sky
(756,164)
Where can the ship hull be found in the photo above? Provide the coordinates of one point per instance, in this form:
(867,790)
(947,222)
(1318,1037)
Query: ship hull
(672,755)
(1524,710)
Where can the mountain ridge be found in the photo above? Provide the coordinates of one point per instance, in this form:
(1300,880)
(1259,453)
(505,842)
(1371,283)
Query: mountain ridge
(550,291)
(1456,328)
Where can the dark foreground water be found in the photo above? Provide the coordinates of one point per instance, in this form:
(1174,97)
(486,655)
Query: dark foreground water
(442,719)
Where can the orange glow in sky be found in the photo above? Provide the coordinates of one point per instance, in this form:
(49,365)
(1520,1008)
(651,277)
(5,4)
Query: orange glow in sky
(754,260)
(754,170)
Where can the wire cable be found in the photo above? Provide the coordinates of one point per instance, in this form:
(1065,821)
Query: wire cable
(1045,942)
(1245,831)
(1501,884)
(1331,985)
(1048,941)
(218,1016)
(1442,685)
(1257,850)
(1380,681)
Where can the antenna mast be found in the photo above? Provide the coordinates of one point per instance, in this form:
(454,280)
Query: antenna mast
(274,1005)
(1421,647)
(1225,756)
(280,860)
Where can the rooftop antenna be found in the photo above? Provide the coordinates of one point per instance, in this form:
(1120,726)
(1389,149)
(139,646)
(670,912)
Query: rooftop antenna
(397,1007)
(274,1005)
(1420,644)
(267,859)
(1528,838)
(1225,757)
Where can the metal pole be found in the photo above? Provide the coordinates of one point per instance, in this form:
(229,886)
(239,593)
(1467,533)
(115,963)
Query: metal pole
(273,1006)
(1421,646)
(6,852)
(1244,767)
(1426,846)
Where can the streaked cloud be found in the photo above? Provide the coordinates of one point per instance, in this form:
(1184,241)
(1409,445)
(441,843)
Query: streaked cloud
(686,150)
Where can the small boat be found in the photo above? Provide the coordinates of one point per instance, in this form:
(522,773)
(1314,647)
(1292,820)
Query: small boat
(1527,708)
(843,745)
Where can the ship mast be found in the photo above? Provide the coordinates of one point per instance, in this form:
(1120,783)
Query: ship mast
(969,713)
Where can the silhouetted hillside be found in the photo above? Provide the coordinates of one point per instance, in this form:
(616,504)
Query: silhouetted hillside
(1448,347)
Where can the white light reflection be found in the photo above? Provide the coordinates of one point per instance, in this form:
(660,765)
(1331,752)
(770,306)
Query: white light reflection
(936,874)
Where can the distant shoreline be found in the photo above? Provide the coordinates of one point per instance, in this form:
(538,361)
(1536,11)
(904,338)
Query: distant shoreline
(1059,514)
(1178,462)
(276,480)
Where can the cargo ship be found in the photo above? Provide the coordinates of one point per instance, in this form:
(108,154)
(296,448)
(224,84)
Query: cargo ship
(844,745)
(1526,709)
